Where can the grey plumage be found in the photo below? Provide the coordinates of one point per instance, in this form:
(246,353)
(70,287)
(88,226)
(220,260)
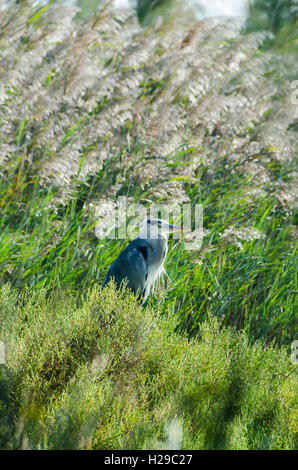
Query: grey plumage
(142,262)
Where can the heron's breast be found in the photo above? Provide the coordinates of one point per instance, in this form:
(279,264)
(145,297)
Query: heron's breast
(156,267)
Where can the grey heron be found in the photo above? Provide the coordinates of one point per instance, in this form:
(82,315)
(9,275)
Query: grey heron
(142,261)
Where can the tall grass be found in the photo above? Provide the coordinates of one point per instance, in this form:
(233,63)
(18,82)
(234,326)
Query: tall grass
(248,278)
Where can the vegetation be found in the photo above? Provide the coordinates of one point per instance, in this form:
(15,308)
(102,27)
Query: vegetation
(280,17)
(96,109)
(272,14)
(87,7)
(111,375)
(147,10)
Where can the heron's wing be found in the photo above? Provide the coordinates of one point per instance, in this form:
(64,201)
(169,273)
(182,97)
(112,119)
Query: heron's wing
(131,265)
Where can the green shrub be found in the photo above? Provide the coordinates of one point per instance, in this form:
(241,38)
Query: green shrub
(112,375)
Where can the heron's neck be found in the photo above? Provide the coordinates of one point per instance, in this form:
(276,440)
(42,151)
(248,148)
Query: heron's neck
(151,233)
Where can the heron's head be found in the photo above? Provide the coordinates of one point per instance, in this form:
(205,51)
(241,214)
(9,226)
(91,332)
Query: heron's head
(152,228)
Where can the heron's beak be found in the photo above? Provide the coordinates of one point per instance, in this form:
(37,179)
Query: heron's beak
(176,228)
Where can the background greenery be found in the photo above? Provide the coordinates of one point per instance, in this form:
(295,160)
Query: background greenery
(200,113)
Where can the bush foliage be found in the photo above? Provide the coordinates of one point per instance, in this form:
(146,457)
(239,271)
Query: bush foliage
(111,375)
(179,112)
